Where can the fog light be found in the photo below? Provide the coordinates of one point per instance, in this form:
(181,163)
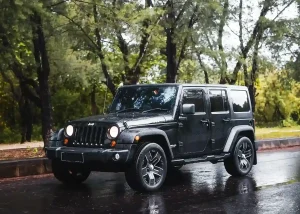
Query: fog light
(117,156)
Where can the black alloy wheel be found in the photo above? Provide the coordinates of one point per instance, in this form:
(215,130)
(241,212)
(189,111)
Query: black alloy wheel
(149,168)
(241,161)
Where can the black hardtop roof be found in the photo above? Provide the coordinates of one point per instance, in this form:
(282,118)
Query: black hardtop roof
(191,85)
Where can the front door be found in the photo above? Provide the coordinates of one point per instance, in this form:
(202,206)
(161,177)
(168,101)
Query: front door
(219,118)
(194,129)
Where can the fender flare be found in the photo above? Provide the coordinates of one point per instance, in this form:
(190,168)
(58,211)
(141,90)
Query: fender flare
(57,135)
(127,136)
(234,133)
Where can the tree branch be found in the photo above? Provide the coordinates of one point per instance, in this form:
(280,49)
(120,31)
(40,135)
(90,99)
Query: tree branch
(183,9)
(203,67)
(124,50)
(266,8)
(220,40)
(79,27)
(241,25)
(289,4)
(104,66)
(190,25)
(146,37)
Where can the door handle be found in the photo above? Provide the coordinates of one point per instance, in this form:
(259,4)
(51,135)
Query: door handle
(181,118)
(204,121)
(226,120)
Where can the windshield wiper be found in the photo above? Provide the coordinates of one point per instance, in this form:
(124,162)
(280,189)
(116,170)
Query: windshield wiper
(128,109)
(156,109)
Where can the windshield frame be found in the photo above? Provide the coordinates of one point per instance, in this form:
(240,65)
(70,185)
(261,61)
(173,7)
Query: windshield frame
(172,110)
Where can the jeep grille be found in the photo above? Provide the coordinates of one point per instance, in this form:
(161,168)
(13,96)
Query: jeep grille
(88,136)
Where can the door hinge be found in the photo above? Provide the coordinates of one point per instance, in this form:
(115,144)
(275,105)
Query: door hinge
(173,146)
(180,143)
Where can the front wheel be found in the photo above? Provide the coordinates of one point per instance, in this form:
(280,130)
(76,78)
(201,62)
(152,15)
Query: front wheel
(241,161)
(69,175)
(149,168)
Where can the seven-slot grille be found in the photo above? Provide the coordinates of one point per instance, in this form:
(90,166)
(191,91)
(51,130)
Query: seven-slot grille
(91,136)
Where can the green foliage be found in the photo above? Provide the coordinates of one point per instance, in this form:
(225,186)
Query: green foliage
(77,56)
(278,99)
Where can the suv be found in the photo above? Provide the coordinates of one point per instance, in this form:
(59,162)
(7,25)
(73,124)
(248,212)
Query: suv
(152,129)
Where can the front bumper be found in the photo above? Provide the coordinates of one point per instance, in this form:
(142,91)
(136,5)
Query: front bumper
(85,155)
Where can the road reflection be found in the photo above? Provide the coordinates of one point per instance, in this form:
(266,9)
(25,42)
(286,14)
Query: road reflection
(183,192)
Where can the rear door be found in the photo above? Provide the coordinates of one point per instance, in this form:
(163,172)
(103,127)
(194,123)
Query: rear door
(194,129)
(219,117)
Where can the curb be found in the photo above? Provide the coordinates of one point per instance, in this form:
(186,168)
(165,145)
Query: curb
(26,167)
(278,143)
(39,166)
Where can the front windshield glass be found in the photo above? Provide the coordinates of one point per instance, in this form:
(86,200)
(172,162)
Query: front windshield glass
(145,98)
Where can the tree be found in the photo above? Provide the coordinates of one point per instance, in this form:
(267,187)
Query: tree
(27,52)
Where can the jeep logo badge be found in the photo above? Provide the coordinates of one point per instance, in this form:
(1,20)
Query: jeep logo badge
(91,124)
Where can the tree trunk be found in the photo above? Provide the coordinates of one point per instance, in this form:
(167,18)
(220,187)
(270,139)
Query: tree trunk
(94,107)
(255,68)
(26,119)
(171,48)
(43,71)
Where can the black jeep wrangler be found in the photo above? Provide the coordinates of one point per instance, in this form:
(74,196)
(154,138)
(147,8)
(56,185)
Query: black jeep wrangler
(152,129)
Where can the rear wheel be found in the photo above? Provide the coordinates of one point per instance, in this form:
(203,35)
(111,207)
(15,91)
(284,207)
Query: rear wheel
(149,168)
(69,175)
(241,161)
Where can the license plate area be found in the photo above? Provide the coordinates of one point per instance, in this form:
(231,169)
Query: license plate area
(72,157)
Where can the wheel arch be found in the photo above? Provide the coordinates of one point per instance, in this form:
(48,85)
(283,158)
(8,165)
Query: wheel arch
(149,135)
(160,140)
(237,132)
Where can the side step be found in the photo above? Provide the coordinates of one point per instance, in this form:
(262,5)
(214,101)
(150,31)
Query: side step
(212,158)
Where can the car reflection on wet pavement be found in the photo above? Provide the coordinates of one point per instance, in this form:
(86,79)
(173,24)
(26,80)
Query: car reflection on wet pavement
(273,186)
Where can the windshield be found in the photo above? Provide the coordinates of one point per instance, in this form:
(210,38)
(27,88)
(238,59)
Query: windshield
(145,98)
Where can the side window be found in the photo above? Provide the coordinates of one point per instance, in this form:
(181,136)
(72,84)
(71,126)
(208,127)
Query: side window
(194,96)
(240,101)
(218,100)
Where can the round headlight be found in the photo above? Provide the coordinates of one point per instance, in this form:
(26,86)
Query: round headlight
(69,130)
(114,132)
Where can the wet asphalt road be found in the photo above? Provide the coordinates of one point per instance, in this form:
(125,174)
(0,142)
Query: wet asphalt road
(272,187)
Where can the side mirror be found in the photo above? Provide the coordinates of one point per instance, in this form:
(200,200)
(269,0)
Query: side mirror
(188,108)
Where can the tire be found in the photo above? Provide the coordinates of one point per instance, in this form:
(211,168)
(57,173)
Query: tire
(148,170)
(69,175)
(241,161)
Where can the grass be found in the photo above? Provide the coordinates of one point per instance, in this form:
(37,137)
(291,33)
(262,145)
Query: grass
(277,132)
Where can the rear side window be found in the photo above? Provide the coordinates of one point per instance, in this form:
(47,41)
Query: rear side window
(240,101)
(194,96)
(218,100)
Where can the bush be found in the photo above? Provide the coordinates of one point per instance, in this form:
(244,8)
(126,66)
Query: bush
(9,136)
(278,100)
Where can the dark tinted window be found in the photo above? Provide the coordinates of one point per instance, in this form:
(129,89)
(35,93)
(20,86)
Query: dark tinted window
(218,100)
(194,96)
(240,101)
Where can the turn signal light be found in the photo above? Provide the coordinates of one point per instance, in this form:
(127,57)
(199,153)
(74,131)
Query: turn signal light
(66,141)
(113,143)
(137,138)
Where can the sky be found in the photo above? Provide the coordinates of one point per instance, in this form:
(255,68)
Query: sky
(250,16)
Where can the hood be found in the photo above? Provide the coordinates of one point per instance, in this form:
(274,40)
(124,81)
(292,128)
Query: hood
(132,119)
